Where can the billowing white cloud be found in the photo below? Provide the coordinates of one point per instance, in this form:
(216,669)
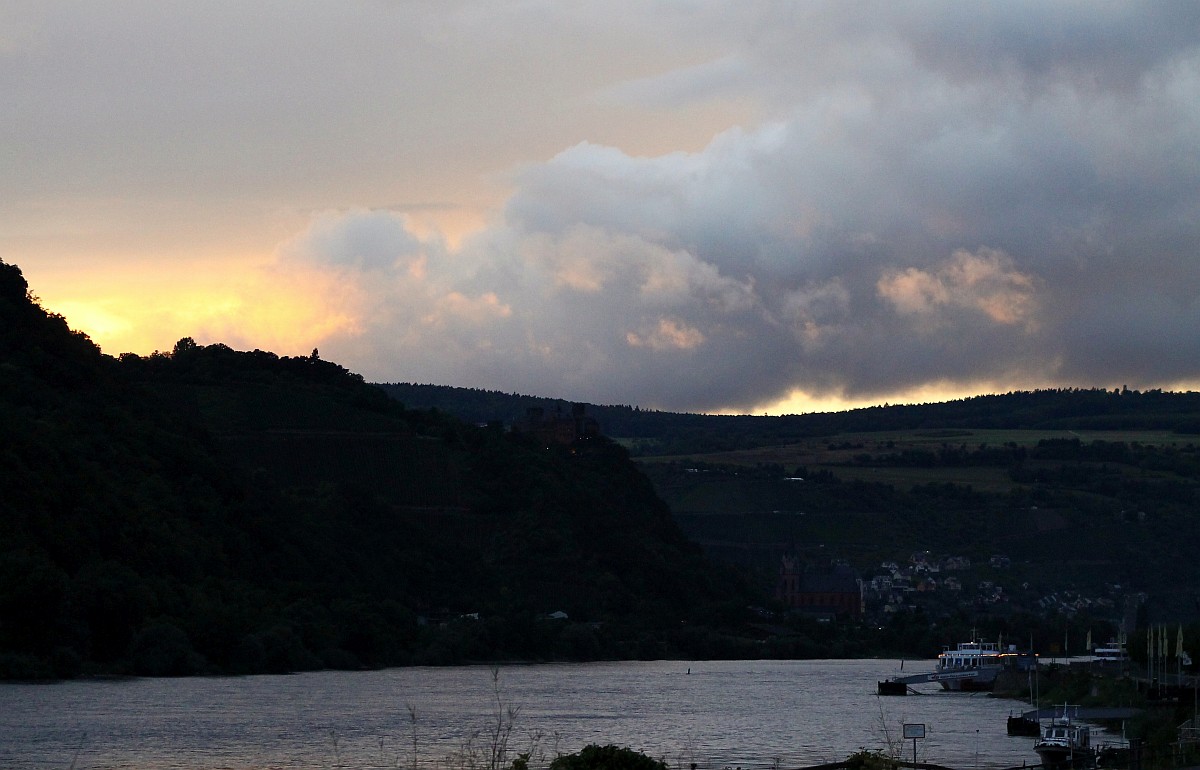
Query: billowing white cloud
(983,282)
(668,334)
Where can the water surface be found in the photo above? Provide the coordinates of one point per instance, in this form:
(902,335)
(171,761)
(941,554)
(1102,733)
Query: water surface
(748,714)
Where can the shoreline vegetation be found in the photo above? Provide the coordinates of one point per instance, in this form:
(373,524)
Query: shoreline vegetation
(1163,707)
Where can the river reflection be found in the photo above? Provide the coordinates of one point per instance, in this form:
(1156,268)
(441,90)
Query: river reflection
(748,714)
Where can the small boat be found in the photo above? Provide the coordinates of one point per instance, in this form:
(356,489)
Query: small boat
(1021,725)
(1065,743)
(1113,755)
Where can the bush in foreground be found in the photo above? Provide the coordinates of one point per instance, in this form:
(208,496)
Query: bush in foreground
(610,757)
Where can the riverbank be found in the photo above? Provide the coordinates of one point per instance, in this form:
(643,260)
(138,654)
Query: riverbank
(1151,716)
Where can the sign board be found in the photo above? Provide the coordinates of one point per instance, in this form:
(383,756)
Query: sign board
(914,731)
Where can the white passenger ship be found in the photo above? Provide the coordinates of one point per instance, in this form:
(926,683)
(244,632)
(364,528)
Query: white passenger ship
(975,665)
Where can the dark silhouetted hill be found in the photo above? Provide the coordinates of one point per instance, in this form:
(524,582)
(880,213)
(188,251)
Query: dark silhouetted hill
(206,509)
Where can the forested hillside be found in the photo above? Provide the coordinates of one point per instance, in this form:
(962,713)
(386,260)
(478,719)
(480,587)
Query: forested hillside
(650,432)
(206,509)
(1088,497)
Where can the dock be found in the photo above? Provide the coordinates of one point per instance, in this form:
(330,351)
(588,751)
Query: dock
(1091,714)
(901,685)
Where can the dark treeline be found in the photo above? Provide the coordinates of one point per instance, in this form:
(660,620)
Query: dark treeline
(209,510)
(655,432)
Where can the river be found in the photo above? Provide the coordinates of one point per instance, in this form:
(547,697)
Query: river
(757,715)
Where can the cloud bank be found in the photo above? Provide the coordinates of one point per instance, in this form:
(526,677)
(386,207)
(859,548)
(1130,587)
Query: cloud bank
(684,205)
(943,194)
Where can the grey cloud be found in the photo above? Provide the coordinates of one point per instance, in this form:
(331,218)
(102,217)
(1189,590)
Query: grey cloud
(325,102)
(958,228)
(708,80)
(1087,45)
(1034,47)
(367,241)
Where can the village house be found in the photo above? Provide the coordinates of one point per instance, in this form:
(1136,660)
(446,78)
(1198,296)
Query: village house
(955,563)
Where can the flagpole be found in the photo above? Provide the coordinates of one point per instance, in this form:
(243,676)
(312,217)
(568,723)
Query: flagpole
(1162,667)
(1179,656)
(1150,655)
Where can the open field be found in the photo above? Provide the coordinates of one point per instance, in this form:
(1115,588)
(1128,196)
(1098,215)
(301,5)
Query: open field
(849,456)
(983,479)
(843,447)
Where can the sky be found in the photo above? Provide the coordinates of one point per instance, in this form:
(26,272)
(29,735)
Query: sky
(738,206)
